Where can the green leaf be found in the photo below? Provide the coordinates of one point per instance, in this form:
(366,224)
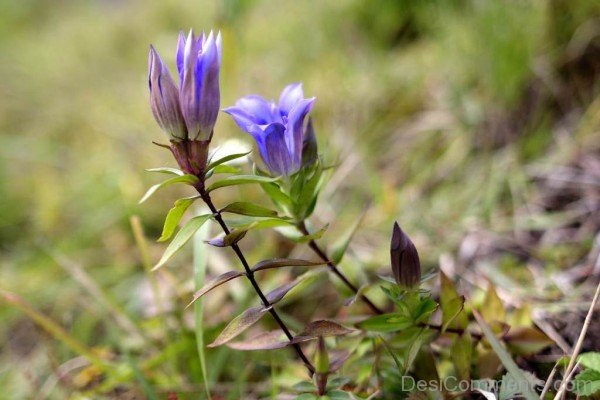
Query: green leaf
(228,240)
(453,315)
(492,308)
(218,281)
(590,360)
(250,209)
(187,179)
(276,295)
(453,308)
(263,223)
(338,395)
(386,323)
(167,170)
(182,237)
(238,180)
(239,324)
(225,159)
(225,169)
(174,216)
(284,262)
(313,236)
(339,247)
(304,386)
(506,359)
(587,382)
(461,352)
(278,197)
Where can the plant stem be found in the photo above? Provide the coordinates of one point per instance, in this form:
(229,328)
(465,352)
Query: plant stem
(319,252)
(250,275)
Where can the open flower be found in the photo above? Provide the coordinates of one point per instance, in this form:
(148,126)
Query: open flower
(190,112)
(278,128)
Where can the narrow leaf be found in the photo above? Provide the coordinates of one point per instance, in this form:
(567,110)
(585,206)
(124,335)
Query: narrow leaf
(505,358)
(167,170)
(460,352)
(452,309)
(187,179)
(263,341)
(325,328)
(239,180)
(276,295)
(218,281)
(492,308)
(386,323)
(339,247)
(239,324)
(174,216)
(182,237)
(225,159)
(228,240)
(313,236)
(250,209)
(284,262)
(452,316)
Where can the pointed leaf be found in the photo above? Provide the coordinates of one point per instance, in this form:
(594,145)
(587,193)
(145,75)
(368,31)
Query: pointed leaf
(313,236)
(276,295)
(337,360)
(461,352)
(250,209)
(182,237)
(239,324)
(325,328)
(263,341)
(239,180)
(187,179)
(451,317)
(587,382)
(284,262)
(339,248)
(228,240)
(492,308)
(167,170)
(386,323)
(351,300)
(453,308)
(174,216)
(263,223)
(225,159)
(218,281)
(225,169)
(279,198)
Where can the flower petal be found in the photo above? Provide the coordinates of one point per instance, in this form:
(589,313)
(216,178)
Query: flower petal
(290,95)
(295,129)
(277,158)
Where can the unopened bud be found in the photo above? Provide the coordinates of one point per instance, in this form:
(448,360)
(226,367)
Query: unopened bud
(406,266)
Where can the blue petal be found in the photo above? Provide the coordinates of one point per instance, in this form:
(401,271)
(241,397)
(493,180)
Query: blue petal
(260,110)
(295,128)
(290,96)
(241,118)
(179,56)
(275,152)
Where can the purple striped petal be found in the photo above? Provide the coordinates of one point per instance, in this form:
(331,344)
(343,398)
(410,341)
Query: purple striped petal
(275,151)
(295,128)
(290,95)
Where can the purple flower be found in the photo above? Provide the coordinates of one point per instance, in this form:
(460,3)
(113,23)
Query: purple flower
(164,98)
(198,63)
(406,266)
(277,128)
(190,112)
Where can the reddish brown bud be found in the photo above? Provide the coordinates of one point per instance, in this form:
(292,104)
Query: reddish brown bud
(406,266)
(191,155)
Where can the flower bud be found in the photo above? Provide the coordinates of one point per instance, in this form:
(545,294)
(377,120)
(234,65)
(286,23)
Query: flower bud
(321,366)
(406,266)
(164,98)
(199,62)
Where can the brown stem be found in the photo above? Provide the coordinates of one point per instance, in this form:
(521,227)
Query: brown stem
(250,275)
(319,252)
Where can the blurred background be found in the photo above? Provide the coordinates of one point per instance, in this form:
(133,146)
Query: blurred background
(475,124)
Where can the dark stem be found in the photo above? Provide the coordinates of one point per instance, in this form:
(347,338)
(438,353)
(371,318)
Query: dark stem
(250,275)
(319,252)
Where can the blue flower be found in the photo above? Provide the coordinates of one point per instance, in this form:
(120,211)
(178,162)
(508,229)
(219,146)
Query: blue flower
(189,113)
(278,129)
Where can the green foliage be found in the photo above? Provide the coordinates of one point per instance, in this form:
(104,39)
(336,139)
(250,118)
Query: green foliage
(182,237)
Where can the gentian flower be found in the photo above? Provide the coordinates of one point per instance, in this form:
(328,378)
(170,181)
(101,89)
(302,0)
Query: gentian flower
(278,128)
(406,266)
(188,114)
